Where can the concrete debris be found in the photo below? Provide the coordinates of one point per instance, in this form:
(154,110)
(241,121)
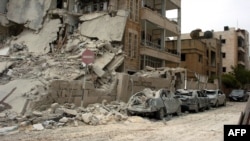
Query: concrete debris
(38,127)
(4,51)
(32,16)
(40,43)
(87,17)
(5,65)
(105,27)
(7,130)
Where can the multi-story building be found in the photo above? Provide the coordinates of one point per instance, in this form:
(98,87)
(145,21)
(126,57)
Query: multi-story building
(145,32)
(235,48)
(200,55)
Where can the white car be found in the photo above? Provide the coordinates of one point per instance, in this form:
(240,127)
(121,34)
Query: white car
(217,97)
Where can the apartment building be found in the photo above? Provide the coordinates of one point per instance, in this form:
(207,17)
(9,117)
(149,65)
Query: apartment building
(144,33)
(200,55)
(235,48)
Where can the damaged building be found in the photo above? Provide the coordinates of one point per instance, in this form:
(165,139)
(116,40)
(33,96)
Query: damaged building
(123,37)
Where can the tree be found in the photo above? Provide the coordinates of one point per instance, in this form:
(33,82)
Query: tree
(242,75)
(229,81)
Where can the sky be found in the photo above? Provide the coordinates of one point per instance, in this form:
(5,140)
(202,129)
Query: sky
(214,14)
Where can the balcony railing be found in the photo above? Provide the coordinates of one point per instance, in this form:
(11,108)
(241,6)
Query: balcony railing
(151,44)
(158,47)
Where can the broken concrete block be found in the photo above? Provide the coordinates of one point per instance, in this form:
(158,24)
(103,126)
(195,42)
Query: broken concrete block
(69,112)
(64,120)
(5,65)
(37,113)
(38,127)
(98,70)
(4,51)
(103,61)
(87,117)
(54,106)
(115,63)
(6,130)
(40,43)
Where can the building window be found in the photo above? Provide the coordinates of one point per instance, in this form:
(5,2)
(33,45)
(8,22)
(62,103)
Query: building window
(223,55)
(150,61)
(200,58)
(224,69)
(183,57)
(132,45)
(133,6)
(223,41)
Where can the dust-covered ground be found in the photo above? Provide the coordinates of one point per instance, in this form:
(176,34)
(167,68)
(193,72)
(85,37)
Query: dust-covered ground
(207,126)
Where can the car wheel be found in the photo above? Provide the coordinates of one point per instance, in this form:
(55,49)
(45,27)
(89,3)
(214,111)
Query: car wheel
(178,112)
(208,107)
(196,110)
(160,114)
(224,103)
(216,104)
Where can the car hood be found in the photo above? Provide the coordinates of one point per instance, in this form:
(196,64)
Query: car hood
(211,96)
(235,94)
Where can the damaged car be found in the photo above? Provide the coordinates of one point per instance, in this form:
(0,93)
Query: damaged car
(154,103)
(193,100)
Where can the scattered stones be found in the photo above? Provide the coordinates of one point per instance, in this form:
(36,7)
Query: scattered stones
(38,127)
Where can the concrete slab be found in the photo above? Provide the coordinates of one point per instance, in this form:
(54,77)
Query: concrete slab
(28,12)
(105,27)
(39,43)
(16,99)
(4,51)
(5,65)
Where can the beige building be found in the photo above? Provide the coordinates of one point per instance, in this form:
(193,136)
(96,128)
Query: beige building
(146,31)
(143,36)
(235,48)
(201,56)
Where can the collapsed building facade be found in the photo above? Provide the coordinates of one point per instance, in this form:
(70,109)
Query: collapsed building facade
(44,46)
(54,33)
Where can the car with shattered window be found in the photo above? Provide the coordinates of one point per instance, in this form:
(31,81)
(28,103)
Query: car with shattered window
(158,103)
(193,100)
(216,96)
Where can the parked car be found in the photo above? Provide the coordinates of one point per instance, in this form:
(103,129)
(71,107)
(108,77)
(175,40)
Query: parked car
(217,97)
(238,95)
(157,103)
(193,100)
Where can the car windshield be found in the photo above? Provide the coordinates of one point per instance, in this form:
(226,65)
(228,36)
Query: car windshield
(186,94)
(238,92)
(210,92)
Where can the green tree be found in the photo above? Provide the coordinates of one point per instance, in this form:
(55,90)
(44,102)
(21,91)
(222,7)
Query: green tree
(242,75)
(229,81)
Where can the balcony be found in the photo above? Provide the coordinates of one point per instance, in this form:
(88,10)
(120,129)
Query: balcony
(154,50)
(163,22)
(241,49)
(241,63)
(173,4)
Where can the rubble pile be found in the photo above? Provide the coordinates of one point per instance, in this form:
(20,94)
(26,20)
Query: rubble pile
(65,115)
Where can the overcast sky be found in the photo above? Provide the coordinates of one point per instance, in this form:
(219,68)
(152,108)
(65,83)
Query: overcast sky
(215,14)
